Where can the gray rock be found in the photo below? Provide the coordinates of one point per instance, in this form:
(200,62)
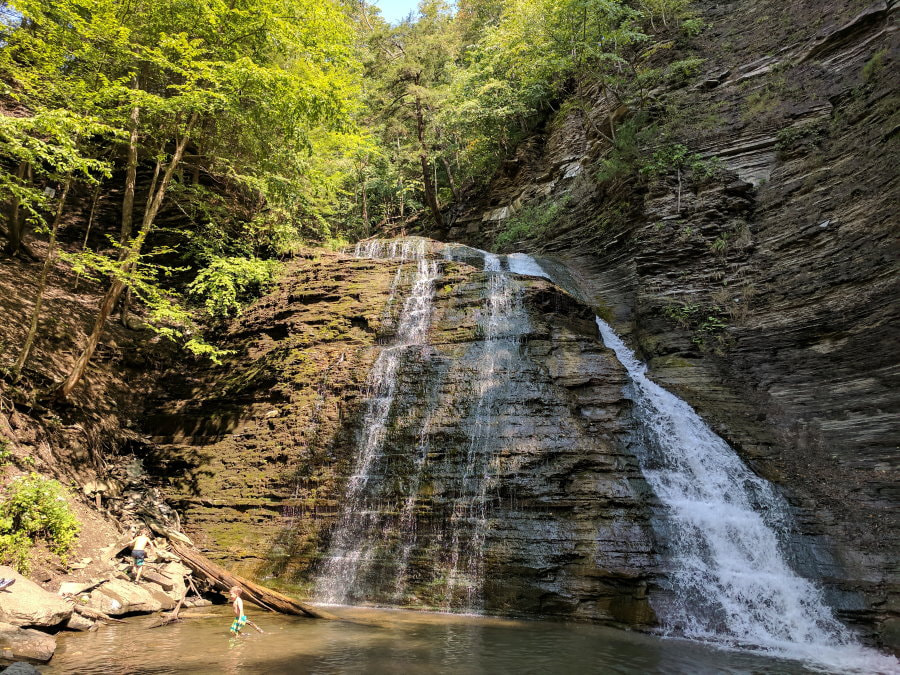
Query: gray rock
(25,643)
(20,668)
(79,622)
(117,597)
(569,528)
(27,604)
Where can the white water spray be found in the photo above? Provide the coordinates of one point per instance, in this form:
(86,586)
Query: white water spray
(730,582)
(503,323)
(355,539)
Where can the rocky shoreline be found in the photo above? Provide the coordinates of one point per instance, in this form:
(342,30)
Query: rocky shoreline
(32,617)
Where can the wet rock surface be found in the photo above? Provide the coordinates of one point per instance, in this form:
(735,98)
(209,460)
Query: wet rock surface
(766,297)
(248,453)
(20,668)
(25,643)
(564,526)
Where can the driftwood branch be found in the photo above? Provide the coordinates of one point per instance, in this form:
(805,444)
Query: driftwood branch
(261,596)
(173,617)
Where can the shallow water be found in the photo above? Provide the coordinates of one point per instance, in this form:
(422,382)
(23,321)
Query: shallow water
(375,641)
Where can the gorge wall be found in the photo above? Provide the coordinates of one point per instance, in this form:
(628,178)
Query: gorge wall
(765,297)
(503,475)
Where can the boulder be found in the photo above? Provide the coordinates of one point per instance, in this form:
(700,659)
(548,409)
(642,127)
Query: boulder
(117,597)
(27,604)
(20,668)
(77,587)
(176,569)
(25,643)
(79,622)
(164,581)
(164,599)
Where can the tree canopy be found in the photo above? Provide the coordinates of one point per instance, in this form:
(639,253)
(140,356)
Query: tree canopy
(230,133)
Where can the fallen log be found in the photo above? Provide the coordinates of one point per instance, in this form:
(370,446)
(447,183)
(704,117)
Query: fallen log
(261,596)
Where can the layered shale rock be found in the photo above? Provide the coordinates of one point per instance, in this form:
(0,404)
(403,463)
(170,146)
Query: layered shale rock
(502,479)
(766,297)
(254,449)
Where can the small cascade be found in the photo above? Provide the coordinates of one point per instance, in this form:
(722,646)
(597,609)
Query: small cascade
(355,541)
(724,528)
(503,323)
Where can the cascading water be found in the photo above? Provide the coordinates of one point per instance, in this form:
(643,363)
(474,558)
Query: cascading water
(504,323)
(728,576)
(356,537)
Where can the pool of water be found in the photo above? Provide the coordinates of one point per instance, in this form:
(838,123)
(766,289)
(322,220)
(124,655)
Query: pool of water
(375,641)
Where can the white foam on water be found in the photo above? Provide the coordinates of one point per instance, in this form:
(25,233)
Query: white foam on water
(491,262)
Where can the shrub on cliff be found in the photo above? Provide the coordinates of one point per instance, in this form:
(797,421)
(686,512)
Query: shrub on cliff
(226,284)
(35,508)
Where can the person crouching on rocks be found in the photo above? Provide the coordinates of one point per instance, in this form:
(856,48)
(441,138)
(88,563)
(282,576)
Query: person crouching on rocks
(240,619)
(139,546)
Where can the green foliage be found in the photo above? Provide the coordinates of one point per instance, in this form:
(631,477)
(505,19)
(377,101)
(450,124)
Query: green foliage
(15,548)
(681,71)
(676,157)
(628,159)
(624,158)
(665,13)
(874,64)
(486,75)
(166,313)
(707,323)
(720,243)
(533,221)
(256,99)
(803,137)
(693,27)
(761,103)
(226,284)
(35,508)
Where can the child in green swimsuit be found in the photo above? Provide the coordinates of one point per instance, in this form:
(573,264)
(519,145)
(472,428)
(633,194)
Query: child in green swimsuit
(240,620)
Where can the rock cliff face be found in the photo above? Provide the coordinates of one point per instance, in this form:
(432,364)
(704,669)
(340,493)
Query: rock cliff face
(251,451)
(767,296)
(503,478)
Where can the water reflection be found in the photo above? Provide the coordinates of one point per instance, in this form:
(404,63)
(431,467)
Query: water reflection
(376,641)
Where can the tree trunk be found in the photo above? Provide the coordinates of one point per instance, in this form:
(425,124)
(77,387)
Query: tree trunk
(364,202)
(129,257)
(42,284)
(430,191)
(90,223)
(261,596)
(450,179)
(16,229)
(130,178)
(128,198)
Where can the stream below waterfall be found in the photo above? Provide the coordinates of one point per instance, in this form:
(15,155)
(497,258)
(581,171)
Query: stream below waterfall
(376,641)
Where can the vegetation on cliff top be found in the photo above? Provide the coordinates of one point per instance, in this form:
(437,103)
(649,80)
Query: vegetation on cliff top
(228,134)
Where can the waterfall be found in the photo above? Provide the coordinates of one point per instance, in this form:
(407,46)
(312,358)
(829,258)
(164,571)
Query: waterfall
(356,539)
(504,321)
(729,579)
